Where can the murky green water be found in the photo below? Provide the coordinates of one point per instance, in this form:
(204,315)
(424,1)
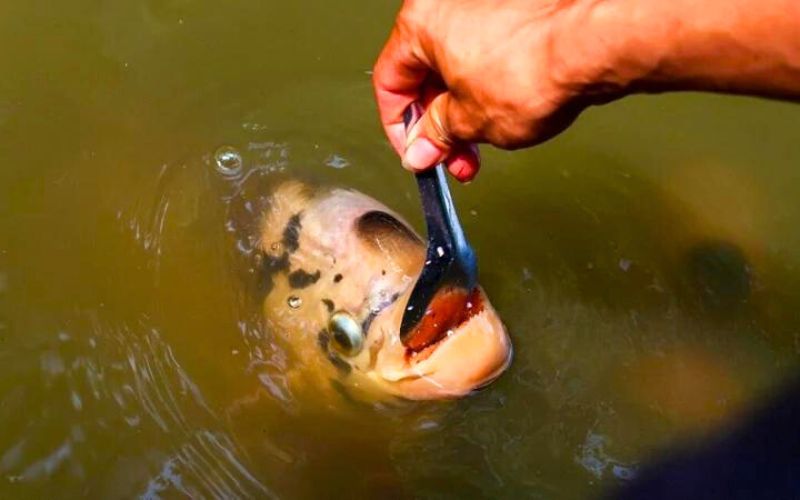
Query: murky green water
(645,264)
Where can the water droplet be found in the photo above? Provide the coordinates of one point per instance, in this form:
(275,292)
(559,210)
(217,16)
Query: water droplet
(228,161)
(294,302)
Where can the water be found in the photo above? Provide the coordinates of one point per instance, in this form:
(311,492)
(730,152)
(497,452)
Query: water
(645,263)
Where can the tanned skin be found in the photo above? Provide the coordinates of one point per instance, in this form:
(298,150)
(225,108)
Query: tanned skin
(514,73)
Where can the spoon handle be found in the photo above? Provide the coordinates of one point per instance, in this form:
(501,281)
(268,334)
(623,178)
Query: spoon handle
(445,235)
(450,261)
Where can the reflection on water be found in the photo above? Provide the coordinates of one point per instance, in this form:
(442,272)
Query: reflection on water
(645,264)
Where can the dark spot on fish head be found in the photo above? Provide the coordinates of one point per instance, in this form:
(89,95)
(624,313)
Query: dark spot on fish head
(291,233)
(342,366)
(329,305)
(337,278)
(273,263)
(368,322)
(302,279)
(384,230)
(266,266)
(324,341)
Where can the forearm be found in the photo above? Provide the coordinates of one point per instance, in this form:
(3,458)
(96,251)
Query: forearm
(737,46)
(516,72)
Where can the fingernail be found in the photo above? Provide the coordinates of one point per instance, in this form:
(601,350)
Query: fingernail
(462,167)
(421,154)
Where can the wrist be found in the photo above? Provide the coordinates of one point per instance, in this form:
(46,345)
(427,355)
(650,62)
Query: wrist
(598,54)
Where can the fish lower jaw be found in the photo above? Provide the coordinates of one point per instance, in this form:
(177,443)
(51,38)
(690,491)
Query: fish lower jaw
(475,354)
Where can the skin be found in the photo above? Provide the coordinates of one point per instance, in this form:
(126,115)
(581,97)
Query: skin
(337,251)
(514,73)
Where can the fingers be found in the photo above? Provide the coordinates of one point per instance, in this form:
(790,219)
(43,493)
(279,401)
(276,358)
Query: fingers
(464,162)
(398,78)
(431,141)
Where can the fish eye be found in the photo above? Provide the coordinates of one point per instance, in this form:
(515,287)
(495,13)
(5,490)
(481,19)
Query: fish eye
(346,333)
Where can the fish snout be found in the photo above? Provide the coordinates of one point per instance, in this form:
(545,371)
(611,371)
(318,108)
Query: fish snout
(470,355)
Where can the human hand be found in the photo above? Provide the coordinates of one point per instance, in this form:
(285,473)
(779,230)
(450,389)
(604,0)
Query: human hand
(516,72)
(484,71)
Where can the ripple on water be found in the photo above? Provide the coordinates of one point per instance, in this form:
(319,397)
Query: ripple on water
(121,390)
(268,156)
(596,460)
(205,467)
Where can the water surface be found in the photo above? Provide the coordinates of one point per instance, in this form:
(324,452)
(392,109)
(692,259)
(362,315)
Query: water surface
(645,263)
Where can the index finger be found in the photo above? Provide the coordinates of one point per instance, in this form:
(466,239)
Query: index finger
(398,77)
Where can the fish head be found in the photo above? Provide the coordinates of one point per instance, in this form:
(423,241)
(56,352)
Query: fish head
(340,268)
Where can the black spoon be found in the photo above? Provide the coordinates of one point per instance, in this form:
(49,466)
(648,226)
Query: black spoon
(450,266)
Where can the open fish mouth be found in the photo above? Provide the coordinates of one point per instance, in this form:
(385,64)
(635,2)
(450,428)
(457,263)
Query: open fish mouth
(471,357)
(448,312)
(467,350)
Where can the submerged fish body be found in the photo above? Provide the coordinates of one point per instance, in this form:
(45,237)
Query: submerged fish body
(338,270)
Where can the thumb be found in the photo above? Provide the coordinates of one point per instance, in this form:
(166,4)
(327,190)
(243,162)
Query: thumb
(430,141)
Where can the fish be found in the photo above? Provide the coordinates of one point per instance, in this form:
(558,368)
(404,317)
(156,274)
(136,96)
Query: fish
(337,269)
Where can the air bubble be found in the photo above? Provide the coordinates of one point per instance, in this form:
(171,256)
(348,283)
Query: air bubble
(228,161)
(295,302)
